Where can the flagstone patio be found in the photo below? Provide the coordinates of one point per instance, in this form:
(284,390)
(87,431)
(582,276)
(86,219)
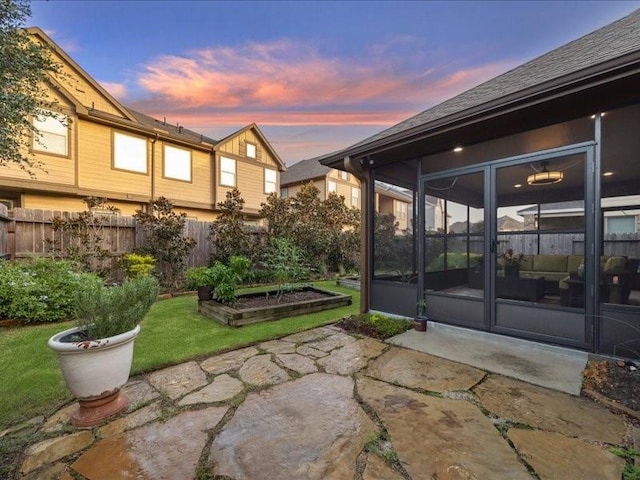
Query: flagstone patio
(324,404)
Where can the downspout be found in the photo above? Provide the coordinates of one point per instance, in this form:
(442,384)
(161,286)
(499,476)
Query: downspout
(153,166)
(356,168)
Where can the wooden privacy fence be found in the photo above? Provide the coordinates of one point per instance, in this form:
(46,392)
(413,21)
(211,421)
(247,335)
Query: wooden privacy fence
(29,233)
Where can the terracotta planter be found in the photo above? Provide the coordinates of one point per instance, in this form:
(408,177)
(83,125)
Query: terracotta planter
(95,371)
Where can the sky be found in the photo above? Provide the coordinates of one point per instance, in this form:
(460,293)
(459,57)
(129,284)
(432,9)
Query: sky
(316,77)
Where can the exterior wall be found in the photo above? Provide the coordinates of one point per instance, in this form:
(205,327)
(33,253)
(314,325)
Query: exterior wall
(344,187)
(320,184)
(236,147)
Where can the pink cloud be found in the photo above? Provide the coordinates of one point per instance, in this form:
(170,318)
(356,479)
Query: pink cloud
(118,90)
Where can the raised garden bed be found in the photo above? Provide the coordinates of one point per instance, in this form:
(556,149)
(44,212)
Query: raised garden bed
(352,282)
(262,306)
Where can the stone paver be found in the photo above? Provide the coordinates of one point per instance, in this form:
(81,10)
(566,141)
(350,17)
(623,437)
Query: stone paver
(229,361)
(221,389)
(179,380)
(309,428)
(420,370)
(352,357)
(311,352)
(555,456)
(377,469)
(297,363)
(133,420)
(52,450)
(161,451)
(278,346)
(336,340)
(139,392)
(261,371)
(550,410)
(441,438)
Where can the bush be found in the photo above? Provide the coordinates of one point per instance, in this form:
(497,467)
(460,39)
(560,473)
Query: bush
(198,277)
(107,311)
(138,265)
(42,290)
(285,263)
(227,278)
(376,325)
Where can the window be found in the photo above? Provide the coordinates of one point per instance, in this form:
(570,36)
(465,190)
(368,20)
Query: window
(53,134)
(251,150)
(355,197)
(333,186)
(621,224)
(344,176)
(129,153)
(227,172)
(177,163)
(270,180)
(402,211)
(284,192)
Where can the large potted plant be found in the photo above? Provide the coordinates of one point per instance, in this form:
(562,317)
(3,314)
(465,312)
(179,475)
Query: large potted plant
(96,355)
(200,279)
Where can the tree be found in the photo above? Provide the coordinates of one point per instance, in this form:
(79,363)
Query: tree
(164,239)
(228,232)
(25,67)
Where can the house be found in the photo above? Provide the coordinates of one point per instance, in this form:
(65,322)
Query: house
(108,150)
(388,198)
(560,129)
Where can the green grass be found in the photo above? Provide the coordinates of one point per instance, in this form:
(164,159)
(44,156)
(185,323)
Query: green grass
(172,332)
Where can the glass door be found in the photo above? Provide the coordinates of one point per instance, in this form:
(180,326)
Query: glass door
(541,277)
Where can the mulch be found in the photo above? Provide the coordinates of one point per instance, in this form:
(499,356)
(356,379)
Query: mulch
(615,381)
(273,301)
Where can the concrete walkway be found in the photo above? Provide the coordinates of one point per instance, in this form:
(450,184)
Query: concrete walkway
(545,365)
(324,404)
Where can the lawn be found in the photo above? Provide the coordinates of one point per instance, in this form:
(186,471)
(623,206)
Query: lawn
(172,332)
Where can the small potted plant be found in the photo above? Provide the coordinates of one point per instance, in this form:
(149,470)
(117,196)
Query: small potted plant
(511,263)
(200,279)
(420,320)
(96,355)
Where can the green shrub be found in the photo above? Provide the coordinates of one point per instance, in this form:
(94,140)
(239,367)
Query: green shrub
(285,262)
(108,311)
(227,278)
(41,290)
(376,325)
(198,277)
(137,265)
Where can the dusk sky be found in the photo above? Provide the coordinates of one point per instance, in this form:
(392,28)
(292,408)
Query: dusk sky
(315,76)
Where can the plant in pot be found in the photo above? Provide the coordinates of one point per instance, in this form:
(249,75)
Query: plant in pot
(96,355)
(202,280)
(420,320)
(511,263)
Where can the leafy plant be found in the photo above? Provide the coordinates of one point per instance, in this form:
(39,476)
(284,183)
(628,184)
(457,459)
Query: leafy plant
(103,312)
(228,233)
(227,278)
(41,290)
(285,263)
(138,265)
(198,277)
(376,325)
(164,239)
(82,236)
(421,307)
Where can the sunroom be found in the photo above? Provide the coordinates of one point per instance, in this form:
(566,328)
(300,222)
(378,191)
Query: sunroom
(526,212)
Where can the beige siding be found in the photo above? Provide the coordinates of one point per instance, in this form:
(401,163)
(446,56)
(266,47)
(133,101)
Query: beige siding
(84,91)
(199,189)
(250,183)
(236,146)
(95,158)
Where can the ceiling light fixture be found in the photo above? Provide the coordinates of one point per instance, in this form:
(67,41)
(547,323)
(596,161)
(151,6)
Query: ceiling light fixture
(545,177)
(457,149)
(517,185)
(607,174)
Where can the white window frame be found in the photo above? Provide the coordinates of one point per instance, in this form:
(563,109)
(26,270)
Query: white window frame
(355,197)
(129,153)
(252,150)
(332,186)
(227,172)
(53,134)
(630,218)
(402,210)
(177,163)
(344,175)
(270,180)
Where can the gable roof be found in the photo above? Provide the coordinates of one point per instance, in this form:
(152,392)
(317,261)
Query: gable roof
(263,139)
(177,131)
(303,171)
(585,56)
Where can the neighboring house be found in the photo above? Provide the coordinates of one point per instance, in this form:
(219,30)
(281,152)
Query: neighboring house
(560,129)
(108,150)
(388,198)
(550,216)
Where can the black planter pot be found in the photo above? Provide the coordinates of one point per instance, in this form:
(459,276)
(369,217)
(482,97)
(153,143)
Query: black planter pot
(511,271)
(420,324)
(204,294)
